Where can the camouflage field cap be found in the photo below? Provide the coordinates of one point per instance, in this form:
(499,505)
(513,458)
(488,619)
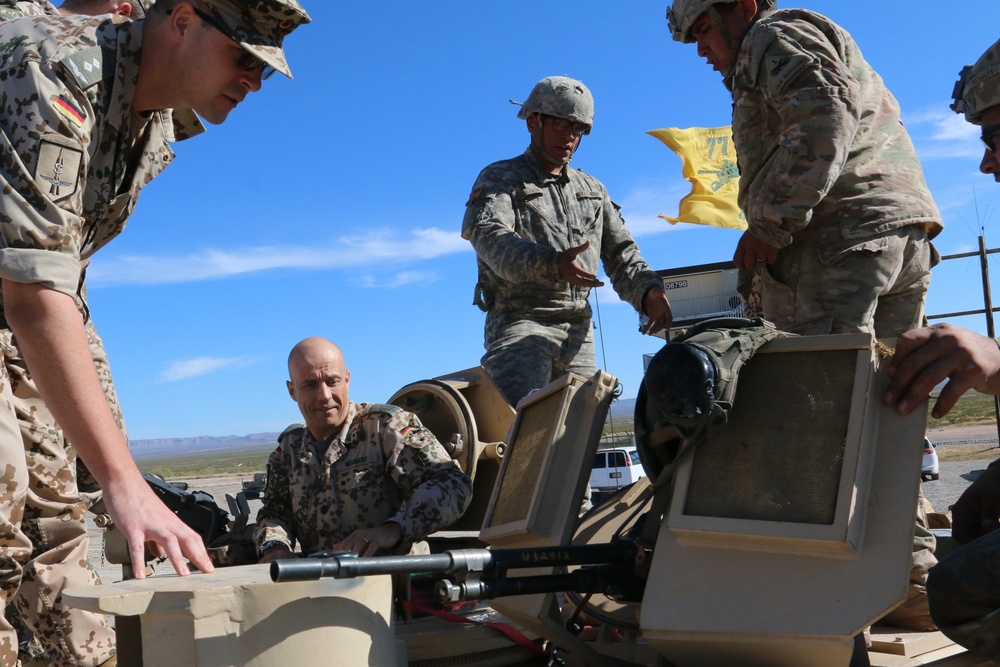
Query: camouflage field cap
(260,26)
(562,97)
(978,86)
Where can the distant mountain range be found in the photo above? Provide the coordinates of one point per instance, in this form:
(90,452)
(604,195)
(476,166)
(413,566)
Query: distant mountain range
(163,447)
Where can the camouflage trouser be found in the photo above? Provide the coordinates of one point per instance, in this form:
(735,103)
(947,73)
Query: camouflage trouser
(846,286)
(44,549)
(964,595)
(523,354)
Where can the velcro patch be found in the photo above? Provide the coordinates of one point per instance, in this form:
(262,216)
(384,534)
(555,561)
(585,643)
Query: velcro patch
(57,172)
(783,62)
(70,111)
(86,66)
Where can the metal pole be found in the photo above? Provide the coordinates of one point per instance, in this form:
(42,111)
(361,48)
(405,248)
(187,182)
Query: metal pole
(988,301)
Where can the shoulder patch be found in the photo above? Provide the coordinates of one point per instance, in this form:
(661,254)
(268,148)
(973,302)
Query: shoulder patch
(373,408)
(87,66)
(291,429)
(782,63)
(57,171)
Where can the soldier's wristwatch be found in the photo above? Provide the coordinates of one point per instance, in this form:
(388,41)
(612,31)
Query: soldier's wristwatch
(271,544)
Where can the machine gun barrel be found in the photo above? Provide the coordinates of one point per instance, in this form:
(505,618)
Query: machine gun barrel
(347,565)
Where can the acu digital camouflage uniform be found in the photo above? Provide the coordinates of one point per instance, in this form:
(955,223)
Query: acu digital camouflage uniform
(72,175)
(382,465)
(518,218)
(830,177)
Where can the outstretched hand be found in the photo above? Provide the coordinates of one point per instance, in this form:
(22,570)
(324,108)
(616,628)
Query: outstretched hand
(572,272)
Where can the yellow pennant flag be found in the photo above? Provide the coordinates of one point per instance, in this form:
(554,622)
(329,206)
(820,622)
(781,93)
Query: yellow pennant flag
(709,163)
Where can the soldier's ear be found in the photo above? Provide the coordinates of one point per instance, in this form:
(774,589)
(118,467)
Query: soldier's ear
(347,379)
(291,390)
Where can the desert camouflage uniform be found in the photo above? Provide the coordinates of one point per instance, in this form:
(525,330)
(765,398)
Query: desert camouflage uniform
(518,218)
(72,178)
(381,466)
(12,9)
(830,176)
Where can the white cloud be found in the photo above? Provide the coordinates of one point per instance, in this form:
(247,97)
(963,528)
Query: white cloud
(949,135)
(190,368)
(376,248)
(401,279)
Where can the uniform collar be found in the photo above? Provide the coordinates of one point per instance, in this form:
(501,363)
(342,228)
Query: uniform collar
(541,171)
(178,124)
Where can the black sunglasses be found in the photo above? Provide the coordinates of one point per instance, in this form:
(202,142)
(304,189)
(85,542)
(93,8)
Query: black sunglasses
(246,61)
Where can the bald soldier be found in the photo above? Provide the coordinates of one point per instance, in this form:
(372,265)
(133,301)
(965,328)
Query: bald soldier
(82,133)
(362,477)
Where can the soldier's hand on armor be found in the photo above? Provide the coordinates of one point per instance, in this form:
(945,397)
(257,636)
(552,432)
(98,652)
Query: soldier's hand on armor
(926,357)
(752,253)
(144,519)
(572,272)
(367,541)
(977,511)
(657,308)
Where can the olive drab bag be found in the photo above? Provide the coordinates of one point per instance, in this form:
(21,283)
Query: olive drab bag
(687,393)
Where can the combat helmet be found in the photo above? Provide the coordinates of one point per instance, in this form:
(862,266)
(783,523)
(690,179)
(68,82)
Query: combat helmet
(682,14)
(978,86)
(562,97)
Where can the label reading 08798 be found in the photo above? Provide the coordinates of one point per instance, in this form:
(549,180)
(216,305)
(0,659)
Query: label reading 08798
(677,284)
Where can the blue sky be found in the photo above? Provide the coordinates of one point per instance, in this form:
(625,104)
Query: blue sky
(331,204)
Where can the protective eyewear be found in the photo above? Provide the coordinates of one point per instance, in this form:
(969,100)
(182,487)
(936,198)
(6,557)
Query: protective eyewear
(564,125)
(989,137)
(246,61)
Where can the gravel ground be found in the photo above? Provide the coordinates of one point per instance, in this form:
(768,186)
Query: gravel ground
(956,475)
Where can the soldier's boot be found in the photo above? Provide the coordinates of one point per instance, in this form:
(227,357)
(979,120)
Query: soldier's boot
(914,614)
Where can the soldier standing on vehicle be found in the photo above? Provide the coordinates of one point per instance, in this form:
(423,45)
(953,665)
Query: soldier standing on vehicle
(839,214)
(540,229)
(838,210)
(363,477)
(83,134)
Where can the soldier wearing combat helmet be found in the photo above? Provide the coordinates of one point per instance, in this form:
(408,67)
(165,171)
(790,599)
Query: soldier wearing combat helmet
(977,96)
(964,588)
(83,121)
(540,229)
(839,214)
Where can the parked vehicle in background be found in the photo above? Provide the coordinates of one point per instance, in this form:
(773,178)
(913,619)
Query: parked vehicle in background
(615,468)
(931,469)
